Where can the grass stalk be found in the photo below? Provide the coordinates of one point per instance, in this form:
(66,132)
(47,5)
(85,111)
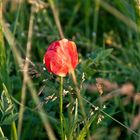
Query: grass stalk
(9,37)
(78,94)
(126,20)
(41,111)
(25,70)
(128,128)
(3,66)
(17,17)
(61,107)
(87,17)
(79,98)
(56,18)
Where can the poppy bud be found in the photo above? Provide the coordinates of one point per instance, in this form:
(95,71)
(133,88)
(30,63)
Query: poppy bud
(61,57)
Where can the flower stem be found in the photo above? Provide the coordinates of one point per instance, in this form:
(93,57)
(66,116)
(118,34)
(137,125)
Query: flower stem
(61,107)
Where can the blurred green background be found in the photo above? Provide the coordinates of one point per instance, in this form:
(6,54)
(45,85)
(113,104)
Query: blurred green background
(107,36)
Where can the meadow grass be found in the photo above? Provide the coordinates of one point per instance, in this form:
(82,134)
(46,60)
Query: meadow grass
(100,100)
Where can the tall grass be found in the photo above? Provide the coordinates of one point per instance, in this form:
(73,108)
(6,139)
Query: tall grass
(107,38)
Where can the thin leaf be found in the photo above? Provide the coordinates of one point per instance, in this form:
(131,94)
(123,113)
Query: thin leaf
(100,55)
(83,132)
(75,119)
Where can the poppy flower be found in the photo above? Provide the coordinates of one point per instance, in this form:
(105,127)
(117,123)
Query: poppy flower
(61,57)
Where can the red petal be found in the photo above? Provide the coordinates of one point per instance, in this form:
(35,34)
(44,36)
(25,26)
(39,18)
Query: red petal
(53,46)
(69,52)
(47,59)
(58,66)
(73,53)
(61,57)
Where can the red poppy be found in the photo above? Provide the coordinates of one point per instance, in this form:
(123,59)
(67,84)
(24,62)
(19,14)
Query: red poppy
(61,57)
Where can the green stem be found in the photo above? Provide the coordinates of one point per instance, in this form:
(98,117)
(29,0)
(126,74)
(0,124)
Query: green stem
(14,131)
(61,107)
(78,94)
(1,132)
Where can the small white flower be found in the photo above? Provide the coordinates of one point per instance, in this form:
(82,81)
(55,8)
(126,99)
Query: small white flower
(100,118)
(91,113)
(72,109)
(104,106)
(65,92)
(68,105)
(83,77)
(96,108)
(54,98)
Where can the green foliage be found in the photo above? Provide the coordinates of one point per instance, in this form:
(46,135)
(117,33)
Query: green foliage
(7,108)
(107,38)
(8,119)
(3,64)
(101,55)
(4,138)
(85,129)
